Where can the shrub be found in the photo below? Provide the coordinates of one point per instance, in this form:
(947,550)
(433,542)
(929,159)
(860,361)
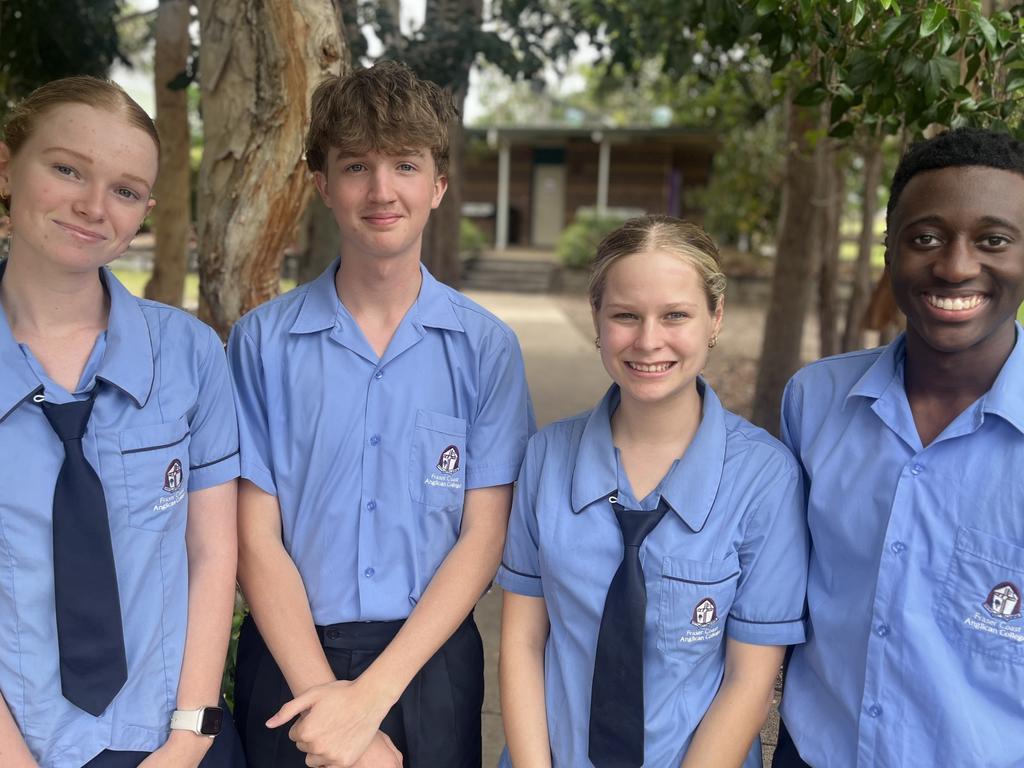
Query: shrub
(471,239)
(578,243)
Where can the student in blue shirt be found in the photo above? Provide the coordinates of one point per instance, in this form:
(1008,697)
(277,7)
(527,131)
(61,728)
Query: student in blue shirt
(913,455)
(383,418)
(118,459)
(719,587)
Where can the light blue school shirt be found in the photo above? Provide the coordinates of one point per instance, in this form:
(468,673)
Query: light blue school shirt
(915,651)
(370,458)
(728,560)
(164,400)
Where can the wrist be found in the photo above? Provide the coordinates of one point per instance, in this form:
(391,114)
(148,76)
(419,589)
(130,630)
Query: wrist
(186,744)
(382,692)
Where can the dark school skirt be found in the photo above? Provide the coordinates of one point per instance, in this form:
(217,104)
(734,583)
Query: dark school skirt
(226,751)
(435,724)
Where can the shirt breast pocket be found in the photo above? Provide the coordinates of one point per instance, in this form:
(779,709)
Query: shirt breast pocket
(437,472)
(696,597)
(981,605)
(155,461)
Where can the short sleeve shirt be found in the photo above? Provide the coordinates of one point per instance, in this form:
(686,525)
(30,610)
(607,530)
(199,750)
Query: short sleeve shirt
(915,656)
(729,559)
(371,457)
(163,425)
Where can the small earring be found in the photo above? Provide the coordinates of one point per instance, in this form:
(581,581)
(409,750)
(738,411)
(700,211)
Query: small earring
(597,342)
(713,341)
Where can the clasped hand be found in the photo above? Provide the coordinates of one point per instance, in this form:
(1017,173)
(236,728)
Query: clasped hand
(338,727)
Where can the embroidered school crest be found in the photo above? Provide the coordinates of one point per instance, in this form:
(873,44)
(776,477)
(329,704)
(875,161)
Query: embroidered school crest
(172,477)
(705,613)
(448,462)
(1004,601)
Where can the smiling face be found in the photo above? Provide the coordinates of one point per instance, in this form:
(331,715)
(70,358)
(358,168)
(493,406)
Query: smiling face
(956,255)
(79,187)
(381,202)
(654,326)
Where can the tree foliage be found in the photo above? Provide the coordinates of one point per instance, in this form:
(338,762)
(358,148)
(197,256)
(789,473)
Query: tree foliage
(42,40)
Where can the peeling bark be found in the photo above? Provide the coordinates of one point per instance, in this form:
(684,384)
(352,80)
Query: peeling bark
(172,219)
(260,61)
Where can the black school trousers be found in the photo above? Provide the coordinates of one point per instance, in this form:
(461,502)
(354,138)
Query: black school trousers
(786,755)
(435,724)
(226,751)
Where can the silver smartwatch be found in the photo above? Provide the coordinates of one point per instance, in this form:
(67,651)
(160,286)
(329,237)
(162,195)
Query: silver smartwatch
(205,721)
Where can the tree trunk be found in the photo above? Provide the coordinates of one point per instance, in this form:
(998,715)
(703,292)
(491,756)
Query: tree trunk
(794,269)
(260,60)
(441,237)
(853,336)
(323,240)
(830,213)
(172,218)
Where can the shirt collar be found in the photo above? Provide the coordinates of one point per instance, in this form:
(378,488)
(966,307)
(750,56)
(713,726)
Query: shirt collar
(127,362)
(881,374)
(690,487)
(321,305)
(1005,398)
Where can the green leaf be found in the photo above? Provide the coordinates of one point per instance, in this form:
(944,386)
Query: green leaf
(1015,84)
(949,69)
(932,19)
(863,67)
(839,108)
(932,81)
(987,31)
(843,130)
(973,65)
(885,4)
(764,7)
(858,12)
(811,96)
(891,26)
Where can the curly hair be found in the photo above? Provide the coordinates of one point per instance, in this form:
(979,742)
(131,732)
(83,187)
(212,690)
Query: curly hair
(961,147)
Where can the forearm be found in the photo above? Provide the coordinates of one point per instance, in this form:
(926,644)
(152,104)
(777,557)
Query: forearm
(211,599)
(453,591)
(737,712)
(13,749)
(277,598)
(521,677)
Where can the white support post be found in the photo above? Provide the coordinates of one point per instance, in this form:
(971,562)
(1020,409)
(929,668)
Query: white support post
(501,214)
(604,159)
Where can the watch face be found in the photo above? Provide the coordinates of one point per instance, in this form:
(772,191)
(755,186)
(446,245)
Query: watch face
(213,717)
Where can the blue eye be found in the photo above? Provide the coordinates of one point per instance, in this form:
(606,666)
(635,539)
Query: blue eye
(356,167)
(127,194)
(65,170)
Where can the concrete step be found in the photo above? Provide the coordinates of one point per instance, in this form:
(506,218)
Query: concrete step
(509,275)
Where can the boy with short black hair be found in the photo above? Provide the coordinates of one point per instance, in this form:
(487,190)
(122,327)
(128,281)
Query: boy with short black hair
(913,453)
(383,418)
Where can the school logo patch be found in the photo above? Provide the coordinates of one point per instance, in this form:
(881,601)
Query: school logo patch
(448,461)
(1004,601)
(705,613)
(172,476)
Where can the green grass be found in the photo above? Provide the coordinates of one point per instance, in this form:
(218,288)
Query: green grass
(1020,313)
(135,281)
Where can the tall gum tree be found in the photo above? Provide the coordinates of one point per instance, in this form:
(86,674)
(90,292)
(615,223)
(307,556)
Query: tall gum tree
(172,216)
(259,63)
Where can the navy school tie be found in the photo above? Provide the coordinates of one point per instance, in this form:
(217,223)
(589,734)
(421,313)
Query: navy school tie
(617,692)
(90,637)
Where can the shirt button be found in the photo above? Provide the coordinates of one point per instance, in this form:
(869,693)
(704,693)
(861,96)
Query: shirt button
(898,547)
(378,375)
(371,505)
(374,439)
(916,469)
(875,711)
(882,630)
(368,573)
(333,634)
